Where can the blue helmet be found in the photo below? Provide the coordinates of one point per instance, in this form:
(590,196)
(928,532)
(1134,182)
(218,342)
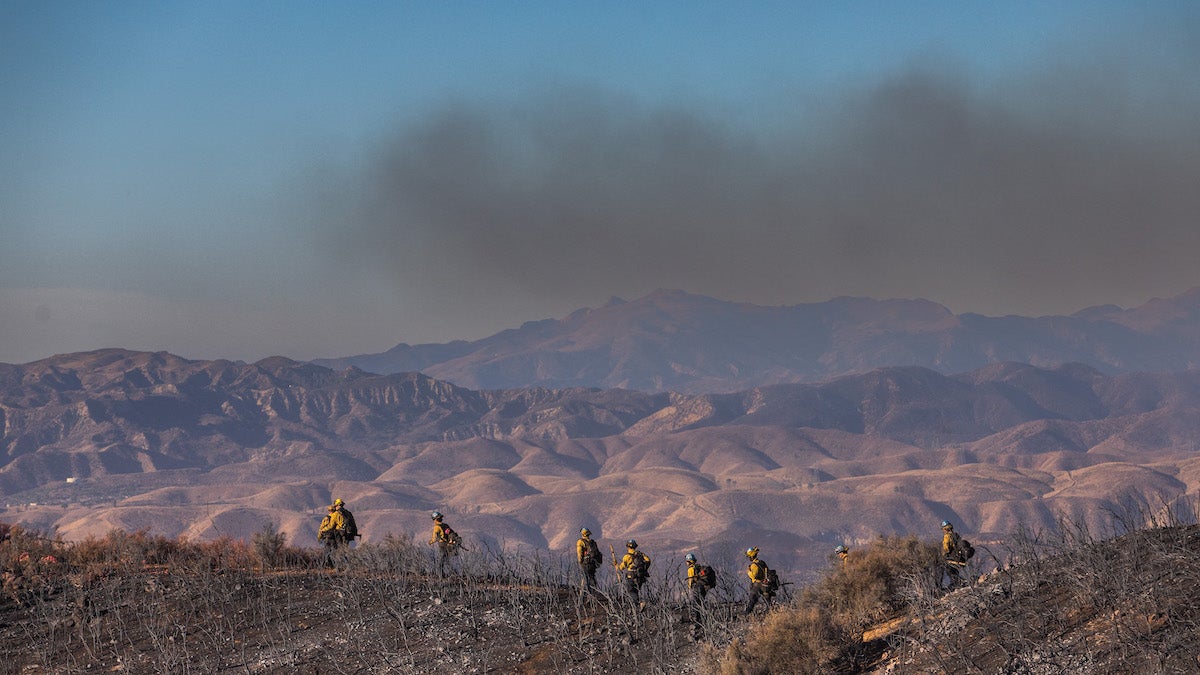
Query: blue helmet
(946,523)
(632,543)
(437,515)
(691,557)
(841,549)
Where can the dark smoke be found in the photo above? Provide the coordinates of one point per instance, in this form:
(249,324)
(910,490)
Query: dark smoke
(1044,195)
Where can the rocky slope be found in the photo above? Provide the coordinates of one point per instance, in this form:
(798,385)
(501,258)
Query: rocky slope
(1123,605)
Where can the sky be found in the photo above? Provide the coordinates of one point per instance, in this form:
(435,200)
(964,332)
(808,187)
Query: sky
(311,179)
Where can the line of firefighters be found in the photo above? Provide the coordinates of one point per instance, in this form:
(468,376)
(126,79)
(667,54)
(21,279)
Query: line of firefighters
(338,529)
(634,567)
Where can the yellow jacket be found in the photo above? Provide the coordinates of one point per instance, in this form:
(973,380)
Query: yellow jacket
(438,533)
(757,571)
(581,549)
(949,542)
(693,569)
(333,522)
(631,556)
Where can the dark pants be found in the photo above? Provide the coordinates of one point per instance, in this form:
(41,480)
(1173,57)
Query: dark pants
(333,542)
(633,587)
(589,577)
(444,551)
(757,590)
(957,572)
(693,608)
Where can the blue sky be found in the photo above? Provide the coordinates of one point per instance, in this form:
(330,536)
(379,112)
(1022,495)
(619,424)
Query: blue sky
(243,179)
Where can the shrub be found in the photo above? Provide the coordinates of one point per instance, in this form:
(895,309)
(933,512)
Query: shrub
(795,640)
(826,622)
(269,545)
(30,562)
(878,581)
(119,547)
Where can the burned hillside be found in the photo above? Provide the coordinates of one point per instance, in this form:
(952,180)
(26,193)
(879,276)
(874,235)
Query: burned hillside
(1061,601)
(1073,605)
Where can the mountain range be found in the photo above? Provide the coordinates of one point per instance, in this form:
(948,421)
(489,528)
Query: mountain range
(135,440)
(675,341)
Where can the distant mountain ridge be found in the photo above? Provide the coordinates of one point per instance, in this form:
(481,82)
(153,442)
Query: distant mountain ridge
(676,341)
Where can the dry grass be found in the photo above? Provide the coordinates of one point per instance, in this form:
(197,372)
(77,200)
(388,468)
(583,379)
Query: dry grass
(1063,601)
(1070,600)
(822,629)
(141,603)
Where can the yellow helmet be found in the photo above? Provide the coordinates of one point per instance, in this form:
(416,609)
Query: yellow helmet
(338,502)
(584,531)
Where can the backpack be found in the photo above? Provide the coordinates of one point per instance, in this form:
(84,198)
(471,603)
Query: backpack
(967,550)
(639,569)
(450,536)
(593,552)
(771,581)
(707,575)
(351,526)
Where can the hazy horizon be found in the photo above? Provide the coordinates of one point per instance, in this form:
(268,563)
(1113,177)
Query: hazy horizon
(244,180)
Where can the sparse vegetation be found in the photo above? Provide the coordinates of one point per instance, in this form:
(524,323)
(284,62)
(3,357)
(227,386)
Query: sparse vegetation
(823,628)
(1067,601)
(1061,601)
(142,603)
(1070,600)
(271,549)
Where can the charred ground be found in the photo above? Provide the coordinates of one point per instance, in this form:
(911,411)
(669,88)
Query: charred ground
(141,604)
(1062,602)
(1066,601)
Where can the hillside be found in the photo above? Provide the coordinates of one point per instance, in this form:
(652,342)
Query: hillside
(142,604)
(675,341)
(130,440)
(1077,605)
(1062,602)
(1068,601)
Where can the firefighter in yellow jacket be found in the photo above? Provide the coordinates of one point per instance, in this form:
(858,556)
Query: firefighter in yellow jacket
(698,583)
(951,553)
(759,588)
(351,527)
(589,556)
(447,541)
(636,567)
(332,533)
